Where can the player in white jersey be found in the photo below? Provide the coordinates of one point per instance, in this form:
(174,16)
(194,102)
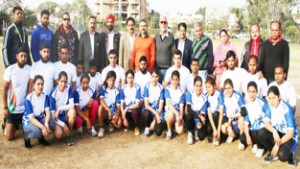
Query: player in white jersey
(183,71)
(253,120)
(95,77)
(142,77)
(253,75)
(37,121)
(62,108)
(66,66)
(287,91)
(236,74)
(154,104)
(86,105)
(280,135)
(196,111)
(15,87)
(120,72)
(130,96)
(174,108)
(45,68)
(79,71)
(193,74)
(215,111)
(233,121)
(109,104)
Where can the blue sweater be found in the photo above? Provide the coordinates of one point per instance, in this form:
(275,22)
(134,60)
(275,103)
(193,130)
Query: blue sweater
(40,36)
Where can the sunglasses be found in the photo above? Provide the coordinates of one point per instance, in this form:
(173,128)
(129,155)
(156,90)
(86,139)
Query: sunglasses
(66,19)
(163,22)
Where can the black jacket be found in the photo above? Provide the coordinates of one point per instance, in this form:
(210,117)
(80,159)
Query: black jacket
(247,50)
(187,53)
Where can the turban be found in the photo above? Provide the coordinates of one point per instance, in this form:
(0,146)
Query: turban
(110,17)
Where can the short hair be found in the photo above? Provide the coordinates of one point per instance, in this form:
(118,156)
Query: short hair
(252,84)
(177,52)
(64,46)
(230,53)
(211,80)
(130,19)
(175,73)
(275,90)
(198,24)
(253,57)
(223,30)
(66,13)
(278,22)
(194,60)
(92,17)
(228,81)
(16,8)
(182,24)
(21,49)
(45,12)
(79,62)
(280,65)
(143,58)
(92,63)
(256,24)
(155,70)
(113,52)
(43,46)
(197,78)
(143,20)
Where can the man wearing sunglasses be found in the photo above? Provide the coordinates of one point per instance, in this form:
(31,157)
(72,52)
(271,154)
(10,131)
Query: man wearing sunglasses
(65,35)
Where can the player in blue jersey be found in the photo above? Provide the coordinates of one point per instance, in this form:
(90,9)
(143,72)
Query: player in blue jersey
(196,111)
(280,135)
(154,104)
(37,122)
(174,105)
(110,104)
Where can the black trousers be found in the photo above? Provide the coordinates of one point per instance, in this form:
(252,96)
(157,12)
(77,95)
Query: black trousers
(210,129)
(147,117)
(254,137)
(190,126)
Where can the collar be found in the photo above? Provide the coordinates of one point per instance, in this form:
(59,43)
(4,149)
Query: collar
(181,41)
(257,40)
(61,28)
(147,35)
(131,35)
(167,34)
(278,40)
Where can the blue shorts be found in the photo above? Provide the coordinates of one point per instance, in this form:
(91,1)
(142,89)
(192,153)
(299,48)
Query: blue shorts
(15,119)
(235,128)
(63,116)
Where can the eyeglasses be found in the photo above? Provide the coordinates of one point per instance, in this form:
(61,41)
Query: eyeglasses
(66,19)
(163,22)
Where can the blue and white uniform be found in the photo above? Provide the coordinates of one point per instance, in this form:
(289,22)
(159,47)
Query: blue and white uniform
(82,98)
(130,95)
(215,102)
(282,119)
(154,95)
(111,98)
(176,96)
(198,104)
(255,114)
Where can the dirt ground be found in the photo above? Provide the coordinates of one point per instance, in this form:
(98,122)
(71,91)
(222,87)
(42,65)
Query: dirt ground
(124,150)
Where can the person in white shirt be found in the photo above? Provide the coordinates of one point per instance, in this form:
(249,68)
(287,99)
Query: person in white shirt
(142,77)
(120,80)
(194,73)
(236,74)
(287,91)
(79,71)
(183,71)
(15,87)
(39,67)
(65,65)
(95,77)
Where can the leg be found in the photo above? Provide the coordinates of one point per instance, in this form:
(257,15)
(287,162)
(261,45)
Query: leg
(179,127)
(243,139)
(71,118)
(201,133)
(158,128)
(189,121)
(266,138)
(284,152)
(102,115)
(93,112)
(170,120)
(9,131)
(146,116)
(79,122)
(58,132)
(33,131)
(135,114)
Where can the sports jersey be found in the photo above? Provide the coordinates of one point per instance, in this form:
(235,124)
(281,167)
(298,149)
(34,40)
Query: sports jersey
(216,101)
(120,72)
(59,99)
(39,68)
(190,84)
(198,103)
(18,82)
(69,68)
(176,96)
(233,104)
(142,79)
(282,118)
(130,95)
(35,106)
(184,74)
(154,94)
(82,98)
(95,81)
(287,92)
(78,80)
(255,113)
(262,85)
(237,76)
(111,98)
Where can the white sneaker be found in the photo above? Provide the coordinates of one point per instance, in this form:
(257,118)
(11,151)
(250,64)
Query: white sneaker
(259,153)
(80,130)
(241,147)
(190,138)
(93,132)
(216,143)
(254,148)
(147,131)
(229,139)
(169,135)
(111,127)
(101,132)
(196,135)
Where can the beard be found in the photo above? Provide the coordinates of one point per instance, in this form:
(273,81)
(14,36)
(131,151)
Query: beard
(45,25)
(45,60)
(144,71)
(21,65)
(110,27)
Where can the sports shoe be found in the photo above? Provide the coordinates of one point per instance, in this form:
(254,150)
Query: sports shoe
(136,131)
(241,147)
(259,153)
(44,142)
(292,162)
(147,131)
(27,143)
(254,148)
(3,125)
(101,132)
(216,142)
(229,139)
(70,141)
(126,130)
(190,138)
(169,135)
(92,131)
(196,135)
(111,127)
(270,158)
(80,130)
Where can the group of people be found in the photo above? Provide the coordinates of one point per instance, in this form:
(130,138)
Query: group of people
(162,82)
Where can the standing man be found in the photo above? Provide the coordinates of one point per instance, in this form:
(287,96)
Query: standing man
(184,45)
(15,87)
(42,34)
(65,35)
(253,46)
(142,77)
(203,51)
(112,40)
(90,45)
(275,51)
(144,45)
(15,37)
(164,41)
(126,44)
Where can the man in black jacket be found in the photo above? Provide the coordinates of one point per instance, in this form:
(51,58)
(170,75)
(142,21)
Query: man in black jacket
(15,37)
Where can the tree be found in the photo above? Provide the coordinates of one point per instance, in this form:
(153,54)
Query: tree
(7,5)
(239,12)
(29,19)
(154,19)
(50,6)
